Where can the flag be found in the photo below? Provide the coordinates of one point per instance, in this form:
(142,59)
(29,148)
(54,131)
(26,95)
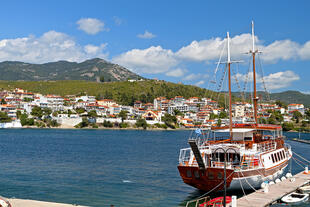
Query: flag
(198,131)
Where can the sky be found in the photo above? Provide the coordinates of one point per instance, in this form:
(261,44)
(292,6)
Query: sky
(176,40)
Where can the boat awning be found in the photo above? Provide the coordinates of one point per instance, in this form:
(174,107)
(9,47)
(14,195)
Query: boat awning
(236,130)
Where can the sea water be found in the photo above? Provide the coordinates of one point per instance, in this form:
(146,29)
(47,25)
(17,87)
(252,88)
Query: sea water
(99,167)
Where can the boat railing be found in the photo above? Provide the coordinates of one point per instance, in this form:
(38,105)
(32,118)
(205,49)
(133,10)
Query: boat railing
(266,146)
(198,202)
(184,156)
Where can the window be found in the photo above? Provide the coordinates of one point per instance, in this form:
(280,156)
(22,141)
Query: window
(188,173)
(210,175)
(219,175)
(196,173)
(283,154)
(273,159)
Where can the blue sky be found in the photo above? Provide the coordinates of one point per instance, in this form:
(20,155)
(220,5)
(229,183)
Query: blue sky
(176,41)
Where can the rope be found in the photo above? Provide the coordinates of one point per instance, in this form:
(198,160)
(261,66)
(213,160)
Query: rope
(298,163)
(301,157)
(215,187)
(248,182)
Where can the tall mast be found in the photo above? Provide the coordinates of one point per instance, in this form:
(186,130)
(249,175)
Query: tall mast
(229,86)
(253,51)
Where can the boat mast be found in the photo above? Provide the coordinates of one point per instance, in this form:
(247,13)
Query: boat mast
(253,52)
(229,86)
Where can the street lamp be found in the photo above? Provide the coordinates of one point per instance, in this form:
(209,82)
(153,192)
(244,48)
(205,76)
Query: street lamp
(225,153)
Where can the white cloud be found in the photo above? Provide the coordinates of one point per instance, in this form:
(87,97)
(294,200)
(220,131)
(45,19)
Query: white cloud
(152,60)
(206,50)
(210,49)
(194,76)
(91,25)
(176,72)
(272,81)
(118,21)
(304,51)
(199,83)
(146,35)
(93,49)
(51,46)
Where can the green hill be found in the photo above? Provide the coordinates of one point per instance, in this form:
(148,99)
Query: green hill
(287,97)
(89,70)
(123,92)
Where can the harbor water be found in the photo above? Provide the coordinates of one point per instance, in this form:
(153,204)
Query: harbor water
(99,167)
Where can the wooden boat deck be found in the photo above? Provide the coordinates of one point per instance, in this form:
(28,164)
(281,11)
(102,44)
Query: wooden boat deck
(276,192)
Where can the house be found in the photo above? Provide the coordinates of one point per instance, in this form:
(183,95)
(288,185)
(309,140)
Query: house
(296,107)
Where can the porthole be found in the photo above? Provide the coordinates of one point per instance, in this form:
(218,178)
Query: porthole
(219,175)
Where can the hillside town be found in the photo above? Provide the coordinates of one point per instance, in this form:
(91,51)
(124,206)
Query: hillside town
(21,108)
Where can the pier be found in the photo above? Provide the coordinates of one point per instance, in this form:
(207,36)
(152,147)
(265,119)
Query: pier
(276,192)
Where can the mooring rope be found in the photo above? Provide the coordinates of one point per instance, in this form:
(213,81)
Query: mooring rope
(301,157)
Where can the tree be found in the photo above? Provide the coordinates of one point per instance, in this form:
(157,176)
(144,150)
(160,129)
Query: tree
(177,112)
(141,123)
(92,113)
(102,78)
(123,115)
(80,110)
(27,99)
(37,112)
(281,104)
(4,117)
(271,120)
(223,115)
(297,115)
(219,122)
(170,120)
(287,126)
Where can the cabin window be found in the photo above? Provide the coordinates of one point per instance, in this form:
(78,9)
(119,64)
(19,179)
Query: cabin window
(272,156)
(278,157)
(247,138)
(196,173)
(188,173)
(283,154)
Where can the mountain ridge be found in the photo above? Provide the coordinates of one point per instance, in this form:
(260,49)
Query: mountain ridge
(95,69)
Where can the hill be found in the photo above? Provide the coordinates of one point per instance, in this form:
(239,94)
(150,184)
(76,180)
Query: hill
(123,92)
(89,70)
(287,97)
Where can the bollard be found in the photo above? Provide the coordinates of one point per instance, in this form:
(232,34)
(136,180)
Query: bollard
(306,170)
(233,201)
(266,189)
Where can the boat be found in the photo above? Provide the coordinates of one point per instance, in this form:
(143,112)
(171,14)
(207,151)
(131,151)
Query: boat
(238,155)
(304,189)
(216,202)
(295,198)
(4,202)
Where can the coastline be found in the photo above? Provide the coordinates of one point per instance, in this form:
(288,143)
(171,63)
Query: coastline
(107,128)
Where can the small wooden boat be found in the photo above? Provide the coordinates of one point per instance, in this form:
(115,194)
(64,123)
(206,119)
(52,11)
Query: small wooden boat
(304,189)
(295,198)
(216,202)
